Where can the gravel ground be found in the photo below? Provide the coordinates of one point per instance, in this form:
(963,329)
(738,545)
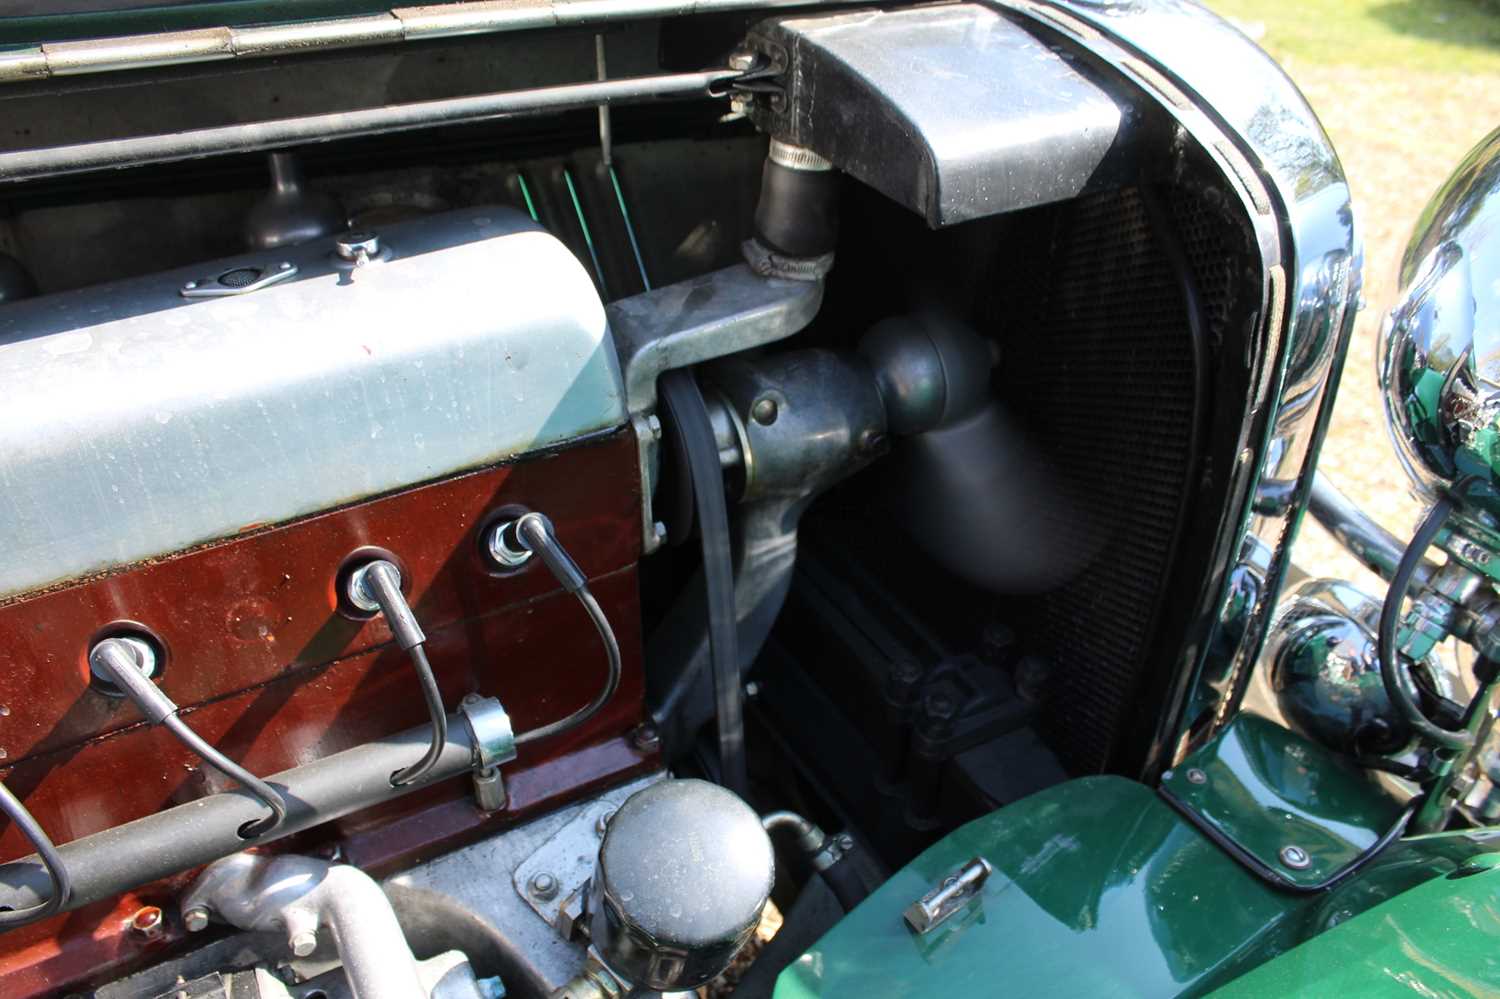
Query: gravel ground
(1399,134)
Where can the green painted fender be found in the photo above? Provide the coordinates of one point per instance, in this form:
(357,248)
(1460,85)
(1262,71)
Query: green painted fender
(1439,939)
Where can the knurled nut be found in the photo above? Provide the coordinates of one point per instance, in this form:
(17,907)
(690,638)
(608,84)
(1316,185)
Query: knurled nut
(795,157)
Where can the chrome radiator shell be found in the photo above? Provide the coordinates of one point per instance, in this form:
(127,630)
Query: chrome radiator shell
(136,422)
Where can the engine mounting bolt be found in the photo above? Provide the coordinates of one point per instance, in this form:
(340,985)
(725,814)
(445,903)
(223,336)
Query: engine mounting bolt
(147,923)
(195,919)
(646,738)
(542,886)
(764,411)
(303,943)
(1196,776)
(1295,857)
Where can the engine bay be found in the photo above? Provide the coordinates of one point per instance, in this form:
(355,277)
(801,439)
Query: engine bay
(448,484)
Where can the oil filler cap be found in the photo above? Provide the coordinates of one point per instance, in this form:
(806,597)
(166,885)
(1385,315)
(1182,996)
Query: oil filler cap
(683,874)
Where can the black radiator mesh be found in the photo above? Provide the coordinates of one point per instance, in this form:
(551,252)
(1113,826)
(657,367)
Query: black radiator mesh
(1100,369)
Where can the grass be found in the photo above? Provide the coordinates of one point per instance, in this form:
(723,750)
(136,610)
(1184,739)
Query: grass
(1446,36)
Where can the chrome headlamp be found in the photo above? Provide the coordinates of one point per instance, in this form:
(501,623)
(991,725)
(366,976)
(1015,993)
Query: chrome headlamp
(1440,351)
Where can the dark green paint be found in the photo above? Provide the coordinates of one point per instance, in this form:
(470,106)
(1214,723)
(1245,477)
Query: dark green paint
(1440,939)
(1264,788)
(1100,889)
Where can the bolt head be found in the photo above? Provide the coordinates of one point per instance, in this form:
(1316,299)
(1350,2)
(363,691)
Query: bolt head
(195,919)
(765,411)
(741,61)
(646,738)
(542,885)
(659,529)
(1295,857)
(1196,776)
(653,424)
(303,943)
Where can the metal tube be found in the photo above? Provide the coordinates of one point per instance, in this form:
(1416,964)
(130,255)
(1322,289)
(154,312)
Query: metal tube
(810,838)
(1376,548)
(199,832)
(402,24)
(29,164)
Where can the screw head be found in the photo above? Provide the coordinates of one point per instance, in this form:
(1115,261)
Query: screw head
(195,919)
(542,885)
(1295,857)
(1196,776)
(765,411)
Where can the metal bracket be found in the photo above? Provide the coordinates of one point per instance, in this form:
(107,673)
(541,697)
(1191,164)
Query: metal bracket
(700,319)
(952,894)
(554,880)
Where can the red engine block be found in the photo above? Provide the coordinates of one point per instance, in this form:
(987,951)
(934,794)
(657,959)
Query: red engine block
(266,668)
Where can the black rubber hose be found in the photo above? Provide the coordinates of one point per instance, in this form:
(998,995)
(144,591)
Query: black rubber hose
(435,711)
(611,682)
(844,881)
(1390,621)
(62,887)
(679,390)
(208,754)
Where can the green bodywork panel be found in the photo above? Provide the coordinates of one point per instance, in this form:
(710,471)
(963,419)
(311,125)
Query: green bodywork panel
(1099,889)
(1264,788)
(1439,939)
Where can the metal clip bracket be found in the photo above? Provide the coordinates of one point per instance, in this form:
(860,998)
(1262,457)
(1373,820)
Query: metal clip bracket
(952,894)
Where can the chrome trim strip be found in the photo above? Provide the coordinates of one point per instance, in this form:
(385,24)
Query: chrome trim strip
(1271,143)
(168,48)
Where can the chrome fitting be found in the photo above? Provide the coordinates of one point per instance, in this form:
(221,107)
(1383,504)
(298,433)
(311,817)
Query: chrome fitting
(137,651)
(505,546)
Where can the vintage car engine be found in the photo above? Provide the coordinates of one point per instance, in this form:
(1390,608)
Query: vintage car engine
(494,494)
